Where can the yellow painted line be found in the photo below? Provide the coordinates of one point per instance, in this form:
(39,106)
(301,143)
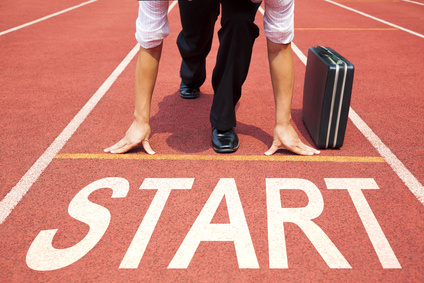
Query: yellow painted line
(363,29)
(280,158)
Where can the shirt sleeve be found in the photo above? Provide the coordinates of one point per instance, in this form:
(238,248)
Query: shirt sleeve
(279,20)
(152,24)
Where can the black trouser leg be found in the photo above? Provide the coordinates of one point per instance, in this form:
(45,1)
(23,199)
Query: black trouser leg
(194,42)
(237,35)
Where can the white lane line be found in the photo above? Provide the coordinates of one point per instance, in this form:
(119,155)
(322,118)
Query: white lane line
(404,174)
(21,188)
(172,5)
(413,2)
(261,10)
(46,17)
(397,166)
(299,53)
(377,19)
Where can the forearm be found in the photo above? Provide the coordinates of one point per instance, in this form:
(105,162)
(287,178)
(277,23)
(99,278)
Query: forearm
(145,79)
(282,78)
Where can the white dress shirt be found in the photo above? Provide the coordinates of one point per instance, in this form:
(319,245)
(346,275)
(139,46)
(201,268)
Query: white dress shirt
(152,23)
(279,20)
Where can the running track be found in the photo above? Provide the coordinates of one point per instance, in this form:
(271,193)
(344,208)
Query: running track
(67,93)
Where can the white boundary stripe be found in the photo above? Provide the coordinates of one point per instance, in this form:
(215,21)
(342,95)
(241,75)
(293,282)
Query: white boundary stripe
(46,17)
(377,19)
(172,5)
(404,174)
(17,192)
(414,2)
(397,166)
(22,187)
(299,53)
(261,10)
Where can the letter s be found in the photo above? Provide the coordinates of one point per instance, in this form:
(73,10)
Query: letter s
(42,256)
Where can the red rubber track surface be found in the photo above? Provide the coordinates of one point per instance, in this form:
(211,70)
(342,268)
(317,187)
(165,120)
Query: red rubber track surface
(52,68)
(388,89)
(19,12)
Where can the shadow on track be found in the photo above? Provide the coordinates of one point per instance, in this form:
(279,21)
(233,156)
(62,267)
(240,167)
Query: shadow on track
(187,122)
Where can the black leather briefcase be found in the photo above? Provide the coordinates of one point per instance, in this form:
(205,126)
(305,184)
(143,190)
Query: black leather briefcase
(326,96)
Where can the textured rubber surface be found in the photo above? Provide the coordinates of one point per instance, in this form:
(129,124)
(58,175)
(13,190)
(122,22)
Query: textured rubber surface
(203,216)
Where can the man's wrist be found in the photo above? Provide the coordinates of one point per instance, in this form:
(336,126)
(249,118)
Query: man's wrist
(141,118)
(280,121)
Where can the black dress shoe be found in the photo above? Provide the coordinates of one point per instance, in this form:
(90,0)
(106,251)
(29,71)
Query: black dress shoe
(225,141)
(189,92)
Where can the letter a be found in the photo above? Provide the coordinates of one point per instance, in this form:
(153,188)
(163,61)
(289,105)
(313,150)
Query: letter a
(203,230)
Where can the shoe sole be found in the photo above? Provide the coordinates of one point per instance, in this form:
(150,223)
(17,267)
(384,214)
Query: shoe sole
(226,150)
(190,96)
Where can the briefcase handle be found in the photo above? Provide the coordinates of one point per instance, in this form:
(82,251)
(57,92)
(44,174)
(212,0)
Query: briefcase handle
(323,51)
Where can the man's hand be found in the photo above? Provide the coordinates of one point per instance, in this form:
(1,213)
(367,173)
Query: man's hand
(285,137)
(138,133)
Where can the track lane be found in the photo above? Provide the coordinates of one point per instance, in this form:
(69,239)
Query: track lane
(392,204)
(214,261)
(46,17)
(49,78)
(382,76)
(19,12)
(404,14)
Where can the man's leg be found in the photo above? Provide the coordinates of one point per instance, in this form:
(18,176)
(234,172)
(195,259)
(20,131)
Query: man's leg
(237,35)
(194,42)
